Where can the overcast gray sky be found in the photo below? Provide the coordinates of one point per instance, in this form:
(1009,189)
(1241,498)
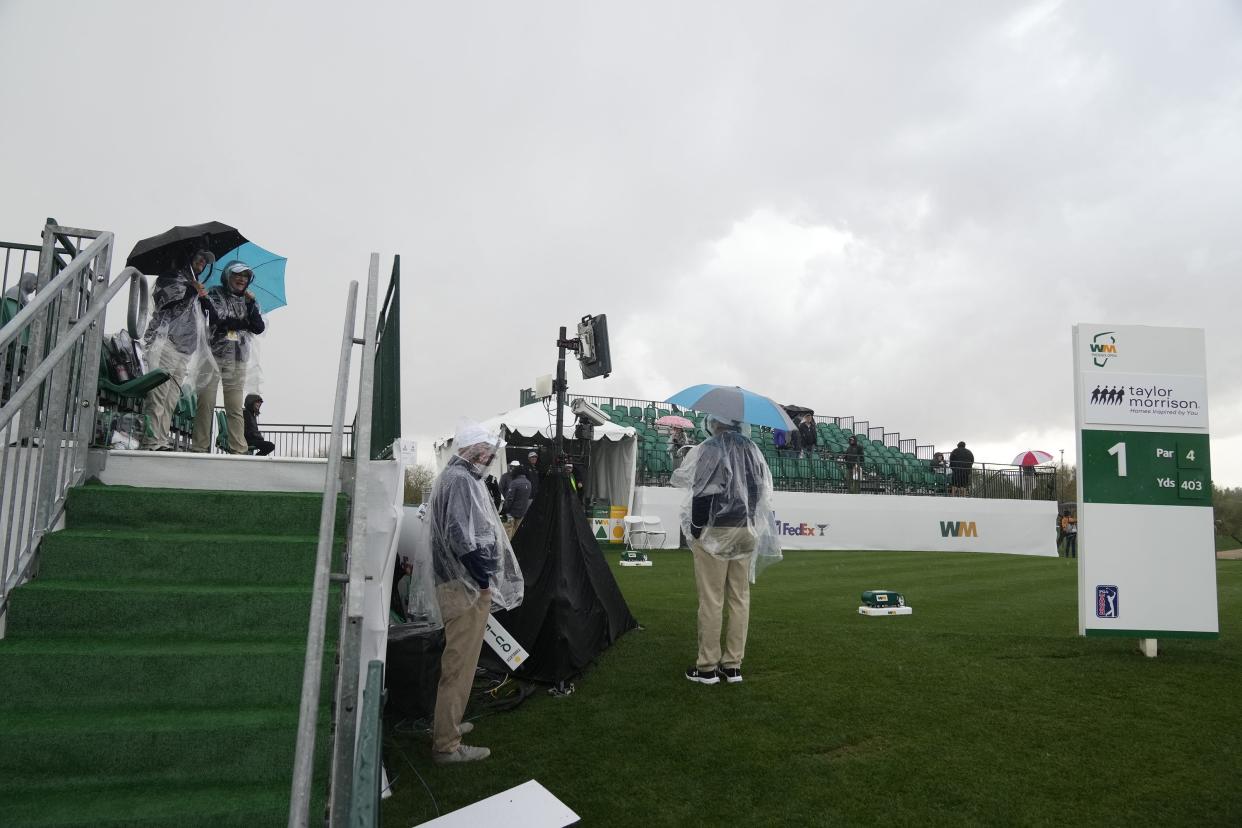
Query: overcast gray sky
(890,210)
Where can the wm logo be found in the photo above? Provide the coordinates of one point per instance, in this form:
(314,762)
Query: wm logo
(958,529)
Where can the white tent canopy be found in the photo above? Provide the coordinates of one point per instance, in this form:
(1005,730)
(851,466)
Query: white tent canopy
(614,448)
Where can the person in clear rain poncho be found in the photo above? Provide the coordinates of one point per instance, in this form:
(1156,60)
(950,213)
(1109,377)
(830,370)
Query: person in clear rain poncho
(235,319)
(176,340)
(474,568)
(727,518)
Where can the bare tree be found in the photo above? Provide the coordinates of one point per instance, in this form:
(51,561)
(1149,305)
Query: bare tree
(417,483)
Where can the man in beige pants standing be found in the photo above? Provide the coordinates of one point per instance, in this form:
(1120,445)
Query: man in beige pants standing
(468,546)
(726,518)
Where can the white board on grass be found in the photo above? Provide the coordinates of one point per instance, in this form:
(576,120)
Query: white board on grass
(529,805)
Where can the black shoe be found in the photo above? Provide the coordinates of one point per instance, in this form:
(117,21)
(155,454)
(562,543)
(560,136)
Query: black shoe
(703,676)
(733,675)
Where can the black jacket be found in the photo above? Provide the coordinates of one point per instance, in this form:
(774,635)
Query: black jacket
(854,454)
(253,436)
(961,458)
(234,318)
(807,435)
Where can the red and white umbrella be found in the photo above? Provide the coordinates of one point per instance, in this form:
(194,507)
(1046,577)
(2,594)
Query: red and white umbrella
(674,421)
(1034,457)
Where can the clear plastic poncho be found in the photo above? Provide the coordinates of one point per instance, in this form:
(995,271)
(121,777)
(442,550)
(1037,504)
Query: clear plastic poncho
(729,487)
(176,339)
(468,541)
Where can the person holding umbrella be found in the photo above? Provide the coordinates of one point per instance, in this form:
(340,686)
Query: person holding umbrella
(175,333)
(726,518)
(235,318)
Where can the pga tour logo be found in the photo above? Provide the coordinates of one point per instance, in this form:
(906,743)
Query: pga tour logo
(1106,601)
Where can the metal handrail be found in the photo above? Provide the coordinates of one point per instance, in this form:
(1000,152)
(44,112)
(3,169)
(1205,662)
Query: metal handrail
(308,714)
(350,631)
(345,718)
(55,398)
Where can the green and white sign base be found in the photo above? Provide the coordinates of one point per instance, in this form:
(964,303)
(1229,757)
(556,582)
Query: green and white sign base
(1146,560)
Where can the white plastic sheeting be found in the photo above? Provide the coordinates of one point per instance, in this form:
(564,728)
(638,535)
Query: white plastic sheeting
(728,477)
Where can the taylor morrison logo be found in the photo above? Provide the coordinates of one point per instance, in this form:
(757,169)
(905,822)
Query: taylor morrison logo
(958,529)
(1103,347)
(1104,395)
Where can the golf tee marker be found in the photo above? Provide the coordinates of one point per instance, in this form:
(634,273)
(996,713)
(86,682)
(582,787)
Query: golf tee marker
(1146,557)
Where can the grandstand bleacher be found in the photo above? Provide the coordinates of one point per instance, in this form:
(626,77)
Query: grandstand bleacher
(891,465)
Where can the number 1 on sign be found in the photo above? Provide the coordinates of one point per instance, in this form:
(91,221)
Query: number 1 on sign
(1119,450)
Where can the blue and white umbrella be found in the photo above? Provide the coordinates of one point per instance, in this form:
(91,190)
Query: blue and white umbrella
(268,286)
(735,403)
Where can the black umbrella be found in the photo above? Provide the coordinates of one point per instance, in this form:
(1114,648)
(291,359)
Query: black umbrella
(168,251)
(797,410)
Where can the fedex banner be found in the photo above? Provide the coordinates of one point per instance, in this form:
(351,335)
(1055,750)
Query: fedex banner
(888,523)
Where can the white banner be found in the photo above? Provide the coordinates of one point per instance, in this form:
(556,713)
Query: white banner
(889,523)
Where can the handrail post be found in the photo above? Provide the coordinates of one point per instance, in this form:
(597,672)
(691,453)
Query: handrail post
(308,714)
(351,628)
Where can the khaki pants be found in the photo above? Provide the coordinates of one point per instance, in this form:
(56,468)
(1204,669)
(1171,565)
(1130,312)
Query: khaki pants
(162,400)
(463,640)
(718,580)
(232,375)
(511,526)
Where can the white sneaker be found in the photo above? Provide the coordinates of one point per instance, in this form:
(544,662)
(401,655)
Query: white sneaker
(463,753)
(464,728)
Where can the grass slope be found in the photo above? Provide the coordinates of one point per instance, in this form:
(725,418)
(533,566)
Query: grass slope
(984,708)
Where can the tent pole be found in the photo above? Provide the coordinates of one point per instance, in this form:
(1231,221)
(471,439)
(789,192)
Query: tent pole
(561,393)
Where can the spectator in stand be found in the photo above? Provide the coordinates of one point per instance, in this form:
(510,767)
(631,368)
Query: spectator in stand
(1069,530)
(517,501)
(780,439)
(853,463)
(254,437)
(235,318)
(175,333)
(961,461)
(677,443)
(938,466)
(807,436)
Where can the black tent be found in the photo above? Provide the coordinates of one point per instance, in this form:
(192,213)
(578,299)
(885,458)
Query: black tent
(573,609)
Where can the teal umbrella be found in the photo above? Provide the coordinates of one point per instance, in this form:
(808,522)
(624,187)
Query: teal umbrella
(734,403)
(268,286)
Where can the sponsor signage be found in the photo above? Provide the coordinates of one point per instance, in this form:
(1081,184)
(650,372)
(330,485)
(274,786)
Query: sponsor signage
(502,644)
(1144,481)
(1157,400)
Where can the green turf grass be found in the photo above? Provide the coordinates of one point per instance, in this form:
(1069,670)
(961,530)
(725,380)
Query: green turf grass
(152,673)
(984,707)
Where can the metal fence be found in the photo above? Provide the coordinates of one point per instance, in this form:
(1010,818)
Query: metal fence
(649,410)
(310,440)
(49,356)
(835,474)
